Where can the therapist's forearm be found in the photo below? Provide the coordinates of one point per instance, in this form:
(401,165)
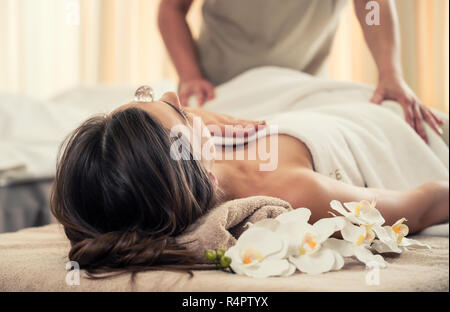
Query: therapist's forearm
(383,40)
(178,38)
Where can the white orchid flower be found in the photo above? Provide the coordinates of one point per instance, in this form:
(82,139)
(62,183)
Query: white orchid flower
(306,249)
(348,249)
(361,213)
(286,223)
(308,252)
(392,238)
(259,252)
(361,235)
(276,247)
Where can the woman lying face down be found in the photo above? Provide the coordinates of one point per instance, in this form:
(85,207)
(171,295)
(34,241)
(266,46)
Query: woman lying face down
(123,197)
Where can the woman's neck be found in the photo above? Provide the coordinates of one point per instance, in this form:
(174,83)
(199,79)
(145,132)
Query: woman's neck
(225,175)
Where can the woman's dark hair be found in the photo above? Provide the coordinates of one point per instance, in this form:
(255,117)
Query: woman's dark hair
(122,199)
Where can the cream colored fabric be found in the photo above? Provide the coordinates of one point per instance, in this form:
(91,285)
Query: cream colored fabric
(34,259)
(239,35)
(224,224)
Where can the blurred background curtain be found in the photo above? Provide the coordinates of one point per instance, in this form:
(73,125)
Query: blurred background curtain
(48,46)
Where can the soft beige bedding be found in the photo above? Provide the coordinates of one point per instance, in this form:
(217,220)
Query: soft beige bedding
(34,259)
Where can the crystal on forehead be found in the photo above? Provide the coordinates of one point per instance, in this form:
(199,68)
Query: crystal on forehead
(144,94)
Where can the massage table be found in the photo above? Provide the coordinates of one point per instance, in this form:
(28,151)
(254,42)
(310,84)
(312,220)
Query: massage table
(25,204)
(35,259)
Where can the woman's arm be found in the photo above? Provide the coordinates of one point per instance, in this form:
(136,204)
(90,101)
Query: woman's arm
(383,41)
(423,206)
(180,44)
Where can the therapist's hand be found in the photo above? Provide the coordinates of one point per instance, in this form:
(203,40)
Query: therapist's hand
(239,127)
(394,87)
(201,88)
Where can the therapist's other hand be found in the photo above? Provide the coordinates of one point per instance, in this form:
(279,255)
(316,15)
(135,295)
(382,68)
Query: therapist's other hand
(201,88)
(239,127)
(395,88)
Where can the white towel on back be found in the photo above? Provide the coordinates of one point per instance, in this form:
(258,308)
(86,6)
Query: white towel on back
(350,138)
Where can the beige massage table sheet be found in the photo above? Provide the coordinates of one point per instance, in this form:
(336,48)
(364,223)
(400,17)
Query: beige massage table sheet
(34,259)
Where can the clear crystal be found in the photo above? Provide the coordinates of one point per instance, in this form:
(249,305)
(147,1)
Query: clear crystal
(144,94)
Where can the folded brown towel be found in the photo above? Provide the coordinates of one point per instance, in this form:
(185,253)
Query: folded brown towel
(222,226)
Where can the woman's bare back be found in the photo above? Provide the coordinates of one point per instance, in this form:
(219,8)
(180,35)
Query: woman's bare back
(294,180)
(248,171)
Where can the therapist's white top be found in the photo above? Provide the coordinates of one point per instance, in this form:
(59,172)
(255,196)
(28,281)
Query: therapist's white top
(238,35)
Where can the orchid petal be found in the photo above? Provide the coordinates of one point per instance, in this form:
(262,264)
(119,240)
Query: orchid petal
(407,242)
(290,270)
(260,239)
(339,261)
(268,267)
(400,229)
(283,252)
(321,261)
(347,249)
(371,216)
(387,236)
(327,226)
(364,212)
(336,205)
(364,255)
(299,215)
(269,224)
(236,261)
(381,247)
(294,233)
(352,207)
(340,246)
(294,229)
(353,233)
(398,222)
